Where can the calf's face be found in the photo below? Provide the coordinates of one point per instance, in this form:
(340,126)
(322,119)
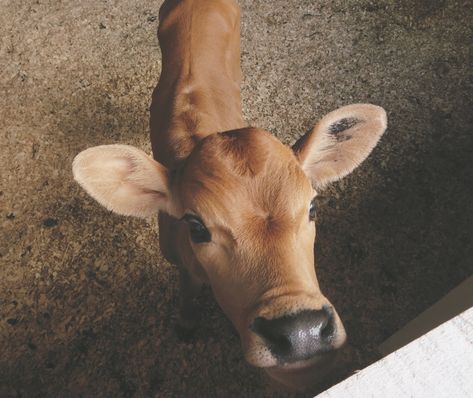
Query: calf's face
(248,202)
(251,214)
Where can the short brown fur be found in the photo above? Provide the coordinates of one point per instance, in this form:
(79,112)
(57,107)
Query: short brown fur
(251,193)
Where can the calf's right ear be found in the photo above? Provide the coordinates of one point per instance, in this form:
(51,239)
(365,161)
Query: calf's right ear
(123,179)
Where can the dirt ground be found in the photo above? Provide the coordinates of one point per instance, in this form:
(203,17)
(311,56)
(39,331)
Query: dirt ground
(87,304)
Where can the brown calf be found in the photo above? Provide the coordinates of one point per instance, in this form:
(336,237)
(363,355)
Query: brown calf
(236,206)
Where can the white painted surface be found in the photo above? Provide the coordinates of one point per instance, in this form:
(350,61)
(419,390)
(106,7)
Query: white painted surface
(436,365)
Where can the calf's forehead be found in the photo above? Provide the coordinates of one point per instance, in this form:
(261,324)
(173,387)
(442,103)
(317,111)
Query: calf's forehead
(243,173)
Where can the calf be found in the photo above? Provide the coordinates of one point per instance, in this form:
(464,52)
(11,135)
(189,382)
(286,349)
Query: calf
(236,206)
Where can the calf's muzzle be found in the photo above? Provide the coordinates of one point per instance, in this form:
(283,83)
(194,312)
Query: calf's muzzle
(298,336)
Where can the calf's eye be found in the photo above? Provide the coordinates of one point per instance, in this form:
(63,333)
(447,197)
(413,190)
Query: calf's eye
(312,211)
(197,229)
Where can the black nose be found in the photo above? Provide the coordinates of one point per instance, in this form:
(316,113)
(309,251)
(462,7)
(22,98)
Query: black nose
(297,336)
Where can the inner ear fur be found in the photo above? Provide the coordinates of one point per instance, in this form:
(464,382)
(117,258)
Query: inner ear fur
(340,142)
(123,179)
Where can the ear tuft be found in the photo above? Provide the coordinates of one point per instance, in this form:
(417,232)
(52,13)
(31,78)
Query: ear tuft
(343,124)
(340,142)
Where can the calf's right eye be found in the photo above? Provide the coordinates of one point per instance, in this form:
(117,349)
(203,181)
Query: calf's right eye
(197,229)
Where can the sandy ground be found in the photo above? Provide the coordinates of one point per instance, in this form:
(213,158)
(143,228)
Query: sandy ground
(86,302)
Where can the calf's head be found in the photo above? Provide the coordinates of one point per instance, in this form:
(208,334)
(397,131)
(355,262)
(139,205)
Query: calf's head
(247,202)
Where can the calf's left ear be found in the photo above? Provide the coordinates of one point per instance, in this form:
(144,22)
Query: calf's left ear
(123,179)
(340,142)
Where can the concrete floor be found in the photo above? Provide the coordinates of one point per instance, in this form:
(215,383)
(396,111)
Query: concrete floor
(86,302)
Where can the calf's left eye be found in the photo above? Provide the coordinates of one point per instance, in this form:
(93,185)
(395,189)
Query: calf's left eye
(312,211)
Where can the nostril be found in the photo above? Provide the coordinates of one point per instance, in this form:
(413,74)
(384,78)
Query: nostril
(328,329)
(273,335)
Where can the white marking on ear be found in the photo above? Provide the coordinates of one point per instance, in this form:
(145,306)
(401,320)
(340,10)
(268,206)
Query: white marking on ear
(340,142)
(123,179)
